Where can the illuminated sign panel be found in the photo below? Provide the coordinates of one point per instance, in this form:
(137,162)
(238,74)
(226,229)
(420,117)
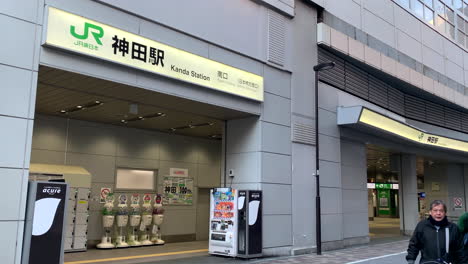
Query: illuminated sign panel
(88,37)
(379,121)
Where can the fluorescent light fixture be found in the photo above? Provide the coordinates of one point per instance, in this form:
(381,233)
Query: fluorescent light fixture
(140,118)
(192,126)
(81,107)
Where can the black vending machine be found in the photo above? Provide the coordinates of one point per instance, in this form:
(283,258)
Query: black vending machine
(44,226)
(250,224)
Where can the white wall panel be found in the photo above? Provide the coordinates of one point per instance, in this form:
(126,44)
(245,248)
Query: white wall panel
(330,174)
(12,180)
(354,201)
(331,201)
(381,8)
(13,141)
(349,12)
(24,9)
(16,91)
(276,138)
(378,28)
(454,71)
(182,222)
(246,166)
(432,39)
(277,199)
(351,229)
(332,227)
(330,150)
(277,168)
(453,52)
(139,144)
(102,168)
(9,230)
(250,128)
(408,45)
(19,50)
(98,140)
(406,22)
(276,222)
(277,82)
(49,133)
(276,109)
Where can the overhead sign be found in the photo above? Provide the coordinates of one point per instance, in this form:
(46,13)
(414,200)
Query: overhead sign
(383,186)
(380,121)
(84,36)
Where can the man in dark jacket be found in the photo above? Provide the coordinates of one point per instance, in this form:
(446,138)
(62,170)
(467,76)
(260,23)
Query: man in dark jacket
(430,235)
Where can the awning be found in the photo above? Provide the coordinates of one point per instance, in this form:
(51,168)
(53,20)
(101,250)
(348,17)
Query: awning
(369,120)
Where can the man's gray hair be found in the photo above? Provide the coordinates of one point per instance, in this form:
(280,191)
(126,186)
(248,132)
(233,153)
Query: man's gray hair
(437,203)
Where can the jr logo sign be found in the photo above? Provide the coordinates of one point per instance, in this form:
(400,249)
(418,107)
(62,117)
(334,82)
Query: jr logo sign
(96,31)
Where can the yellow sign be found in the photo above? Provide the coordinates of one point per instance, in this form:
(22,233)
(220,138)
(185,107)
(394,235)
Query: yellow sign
(85,36)
(382,122)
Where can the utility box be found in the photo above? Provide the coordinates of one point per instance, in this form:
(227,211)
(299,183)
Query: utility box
(44,231)
(250,224)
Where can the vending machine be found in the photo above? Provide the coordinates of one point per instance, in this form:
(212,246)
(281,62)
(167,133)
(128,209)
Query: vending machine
(235,223)
(223,222)
(249,204)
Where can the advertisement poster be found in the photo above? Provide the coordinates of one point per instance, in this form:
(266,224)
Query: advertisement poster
(178,191)
(104,192)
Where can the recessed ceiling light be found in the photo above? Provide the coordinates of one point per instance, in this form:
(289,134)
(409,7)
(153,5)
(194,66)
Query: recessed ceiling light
(63,111)
(211,124)
(98,102)
(79,106)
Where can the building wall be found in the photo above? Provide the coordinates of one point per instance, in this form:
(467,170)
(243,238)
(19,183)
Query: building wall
(258,148)
(101,149)
(406,47)
(450,179)
(18,74)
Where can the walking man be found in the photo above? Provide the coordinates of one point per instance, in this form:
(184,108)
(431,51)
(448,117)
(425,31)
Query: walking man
(437,239)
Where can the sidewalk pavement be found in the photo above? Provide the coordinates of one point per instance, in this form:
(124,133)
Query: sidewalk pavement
(393,252)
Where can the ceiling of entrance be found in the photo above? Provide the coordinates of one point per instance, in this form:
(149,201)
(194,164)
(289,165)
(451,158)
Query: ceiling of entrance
(378,160)
(76,96)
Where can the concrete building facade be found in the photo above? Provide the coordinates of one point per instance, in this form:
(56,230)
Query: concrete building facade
(389,60)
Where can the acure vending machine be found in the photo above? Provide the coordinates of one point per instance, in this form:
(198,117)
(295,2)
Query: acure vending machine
(235,223)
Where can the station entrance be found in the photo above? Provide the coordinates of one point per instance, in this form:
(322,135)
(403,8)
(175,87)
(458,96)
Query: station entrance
(145,148)
(434,179)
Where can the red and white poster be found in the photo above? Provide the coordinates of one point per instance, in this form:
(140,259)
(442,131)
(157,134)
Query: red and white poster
(104,192)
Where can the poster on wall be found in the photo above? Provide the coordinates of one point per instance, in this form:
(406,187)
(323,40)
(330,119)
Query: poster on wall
(457,203)
(104,192)
(178,191)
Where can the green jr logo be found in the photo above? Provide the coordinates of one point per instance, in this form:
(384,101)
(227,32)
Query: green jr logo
(96,31)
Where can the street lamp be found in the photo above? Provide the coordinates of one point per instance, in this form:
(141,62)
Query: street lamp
(318,226)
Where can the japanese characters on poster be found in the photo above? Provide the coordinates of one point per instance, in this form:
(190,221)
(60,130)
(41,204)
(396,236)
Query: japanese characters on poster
(178,191)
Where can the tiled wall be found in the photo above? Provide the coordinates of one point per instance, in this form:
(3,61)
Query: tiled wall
(101,149)
(21,33)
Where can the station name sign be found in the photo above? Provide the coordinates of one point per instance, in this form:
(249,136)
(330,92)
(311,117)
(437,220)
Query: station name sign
(84,36)
(379,121)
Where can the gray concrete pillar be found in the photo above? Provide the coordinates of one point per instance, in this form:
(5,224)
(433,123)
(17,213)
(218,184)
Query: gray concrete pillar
(408,194)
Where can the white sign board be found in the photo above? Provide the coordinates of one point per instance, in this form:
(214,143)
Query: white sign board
(85,36)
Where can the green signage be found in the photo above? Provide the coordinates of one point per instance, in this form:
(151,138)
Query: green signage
(383,186)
